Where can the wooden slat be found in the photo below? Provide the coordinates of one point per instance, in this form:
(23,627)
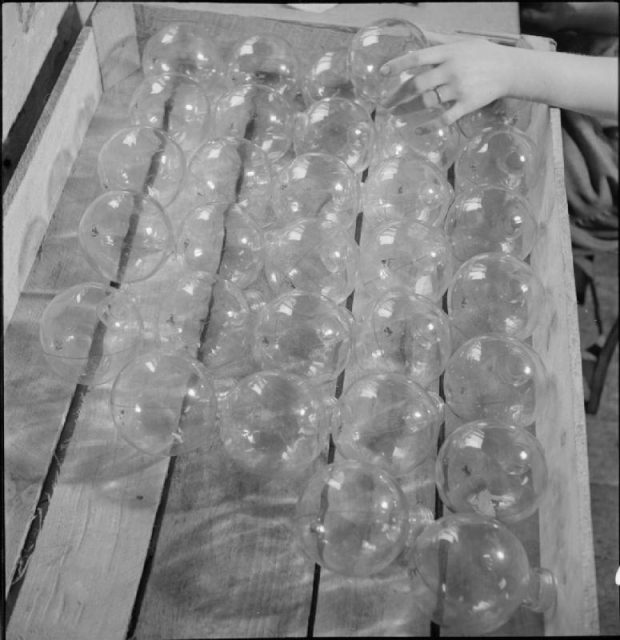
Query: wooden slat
(28,31)
(566,544)
(34,190)
(83,574)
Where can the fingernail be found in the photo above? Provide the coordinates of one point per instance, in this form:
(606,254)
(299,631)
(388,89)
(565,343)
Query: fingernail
(385,70)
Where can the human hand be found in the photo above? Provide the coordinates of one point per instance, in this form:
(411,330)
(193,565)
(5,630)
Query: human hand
(469,73)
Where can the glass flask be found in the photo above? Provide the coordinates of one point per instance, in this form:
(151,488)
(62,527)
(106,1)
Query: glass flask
(275,424)
(470,574)
(201,237)
(257,113)
(303,333)
(499,113)
(175,104)
(406,187)
(265,59)
(495,378)
(406,254)
(164,404)
(209,318)
(89,332)
(404,333)
(186,48)
(502,157)
(484,219)
(375,44)
(125,236)
(352,518)
(387,420)
(313,255)
(410,127)
(317,185)
(242,257)
(337,126)
(495,294)
(144,160)
(230,170)
(492,469)
(329,76)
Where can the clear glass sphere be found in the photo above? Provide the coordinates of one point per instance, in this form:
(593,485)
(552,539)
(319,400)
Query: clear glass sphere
(230,170)
(406,254)
(470,574)
(313,255)
(374,45)
(329,76)
(209,318)
(257,113)
(407,187)
(337,126)
(404,333)
(125,236)
(495,294)
(201,236)
(265,59)
(484,219)
(242,256)
(89,332)
(492,469)
(186,48)
(352,518)
(502,157)
(164,404)
(144,160)
(274,424)
(317,185)
(499,113)
(303,333)
(495,378)
(406,128)
(389,421)
(175,104)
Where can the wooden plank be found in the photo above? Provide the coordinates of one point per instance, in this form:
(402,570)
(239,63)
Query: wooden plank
(447,16)
(32,194)
(28,31)
(566,544)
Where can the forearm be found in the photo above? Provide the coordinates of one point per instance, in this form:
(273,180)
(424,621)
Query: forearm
(578,83)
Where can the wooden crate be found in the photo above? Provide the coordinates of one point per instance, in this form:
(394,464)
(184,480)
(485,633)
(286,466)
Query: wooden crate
(101,541)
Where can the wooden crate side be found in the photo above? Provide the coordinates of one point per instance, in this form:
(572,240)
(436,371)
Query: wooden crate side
(34,191)
(28,31)
(566,544)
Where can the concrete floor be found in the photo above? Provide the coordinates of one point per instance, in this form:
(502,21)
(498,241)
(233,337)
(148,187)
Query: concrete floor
(603,448)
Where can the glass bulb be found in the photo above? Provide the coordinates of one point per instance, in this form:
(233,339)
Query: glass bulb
(492,469)
(164,404)
(313,255)
(339,127)
(389,421)
(484,219)
(495,294)
(352,518)
(89,332)
(495,378)
(144,160)
(303,333)
(256,113)
(125,236)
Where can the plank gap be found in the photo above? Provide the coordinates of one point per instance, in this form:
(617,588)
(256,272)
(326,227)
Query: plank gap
(45,498)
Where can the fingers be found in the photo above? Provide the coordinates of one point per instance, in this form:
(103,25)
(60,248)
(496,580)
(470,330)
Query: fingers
(428,56)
